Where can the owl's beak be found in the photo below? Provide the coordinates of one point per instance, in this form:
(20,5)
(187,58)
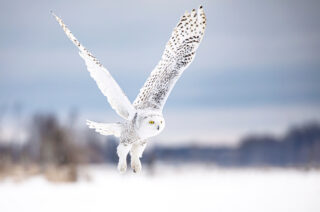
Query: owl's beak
(158,127)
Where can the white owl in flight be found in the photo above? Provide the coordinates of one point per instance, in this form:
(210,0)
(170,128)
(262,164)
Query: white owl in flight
(143,118)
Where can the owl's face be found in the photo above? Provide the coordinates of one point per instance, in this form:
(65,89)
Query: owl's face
(150,125)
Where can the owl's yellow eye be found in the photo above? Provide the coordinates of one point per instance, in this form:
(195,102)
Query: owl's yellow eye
(151,122)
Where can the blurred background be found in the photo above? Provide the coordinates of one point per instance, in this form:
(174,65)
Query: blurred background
(242,123)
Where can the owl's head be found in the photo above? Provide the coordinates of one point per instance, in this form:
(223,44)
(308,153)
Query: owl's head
(149,124)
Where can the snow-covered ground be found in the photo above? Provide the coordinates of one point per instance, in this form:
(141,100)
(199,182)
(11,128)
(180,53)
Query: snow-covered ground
(189,188)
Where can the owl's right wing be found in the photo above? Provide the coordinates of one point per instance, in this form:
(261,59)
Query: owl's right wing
(108,86)
(178,54)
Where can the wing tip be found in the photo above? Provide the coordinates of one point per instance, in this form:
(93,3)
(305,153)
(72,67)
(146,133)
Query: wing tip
(201,9)
(90,124)
(53,14)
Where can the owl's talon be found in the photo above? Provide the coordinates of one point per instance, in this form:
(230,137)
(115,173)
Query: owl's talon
(136,166)
(122,167)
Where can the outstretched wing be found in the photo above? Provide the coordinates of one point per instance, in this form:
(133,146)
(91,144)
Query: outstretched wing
(108,86)
(105,128)
(178,54)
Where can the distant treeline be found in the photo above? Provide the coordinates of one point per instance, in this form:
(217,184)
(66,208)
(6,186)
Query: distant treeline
(299,147)
(52,144)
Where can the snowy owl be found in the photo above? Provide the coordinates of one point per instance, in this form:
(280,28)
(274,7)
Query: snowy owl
(143,118)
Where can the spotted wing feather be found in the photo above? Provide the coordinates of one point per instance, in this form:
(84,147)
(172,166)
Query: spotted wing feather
(178,54)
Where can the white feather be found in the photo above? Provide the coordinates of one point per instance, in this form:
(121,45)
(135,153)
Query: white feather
(108,86)
(105,129)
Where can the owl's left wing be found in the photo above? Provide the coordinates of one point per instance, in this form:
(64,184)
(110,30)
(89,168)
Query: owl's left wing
(178,54)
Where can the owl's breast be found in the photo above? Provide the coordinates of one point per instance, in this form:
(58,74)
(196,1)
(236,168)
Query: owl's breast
(129,134)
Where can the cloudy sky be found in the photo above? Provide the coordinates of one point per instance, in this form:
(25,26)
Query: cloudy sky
(257,69)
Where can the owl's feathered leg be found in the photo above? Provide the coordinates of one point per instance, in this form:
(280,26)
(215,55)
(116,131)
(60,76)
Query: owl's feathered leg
(123,150)
(136,153)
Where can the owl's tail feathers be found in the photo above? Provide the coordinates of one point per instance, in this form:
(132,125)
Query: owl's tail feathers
(105,128)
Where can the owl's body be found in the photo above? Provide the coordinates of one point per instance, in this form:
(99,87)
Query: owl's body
(143,118)
(133,134)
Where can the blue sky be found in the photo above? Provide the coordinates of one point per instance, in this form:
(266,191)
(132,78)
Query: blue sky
(256,55)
